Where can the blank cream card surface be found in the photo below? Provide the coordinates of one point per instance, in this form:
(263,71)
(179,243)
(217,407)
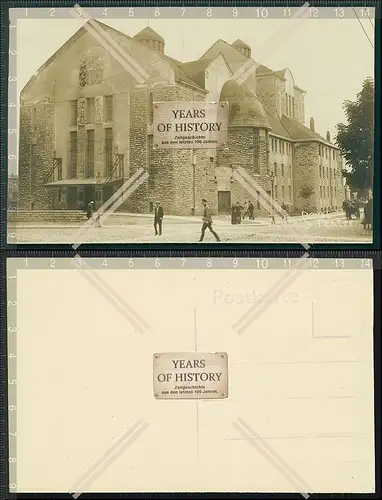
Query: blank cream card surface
(298,416)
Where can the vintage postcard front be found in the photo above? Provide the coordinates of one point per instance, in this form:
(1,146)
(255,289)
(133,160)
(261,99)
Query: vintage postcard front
(131,125)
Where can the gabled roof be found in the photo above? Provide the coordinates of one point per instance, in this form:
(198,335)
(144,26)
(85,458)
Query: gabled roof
(234,58)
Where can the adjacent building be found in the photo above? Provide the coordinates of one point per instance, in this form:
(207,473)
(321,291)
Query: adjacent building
(86,126)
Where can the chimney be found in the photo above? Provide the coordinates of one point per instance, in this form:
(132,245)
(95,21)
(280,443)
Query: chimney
(312,124)
(328,135)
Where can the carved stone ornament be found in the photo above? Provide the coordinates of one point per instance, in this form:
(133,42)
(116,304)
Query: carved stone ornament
(91,69)
(98,102)
(81,111)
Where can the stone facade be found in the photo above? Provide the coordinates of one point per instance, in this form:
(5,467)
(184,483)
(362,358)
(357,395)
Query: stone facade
(86,126)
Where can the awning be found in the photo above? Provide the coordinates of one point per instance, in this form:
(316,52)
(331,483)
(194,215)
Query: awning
(80,182)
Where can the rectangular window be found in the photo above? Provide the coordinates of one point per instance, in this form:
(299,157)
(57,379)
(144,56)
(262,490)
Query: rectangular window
(59,168)
(287,104)
(275,169)
(283,192)
(293,107)
(326,152)
(33,167)
(72,171)
(73,113)
(273,144)
(89,159)
(276,145)
(108,150)
(282,170)
(108,108)
(90,110)
(321,191)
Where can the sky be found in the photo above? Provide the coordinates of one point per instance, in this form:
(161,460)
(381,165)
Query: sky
(329,58)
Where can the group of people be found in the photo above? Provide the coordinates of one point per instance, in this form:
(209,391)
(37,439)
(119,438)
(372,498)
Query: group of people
(352,207)
(239,212)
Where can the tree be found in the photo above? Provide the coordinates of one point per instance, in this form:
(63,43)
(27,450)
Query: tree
(306,192)
(356,139)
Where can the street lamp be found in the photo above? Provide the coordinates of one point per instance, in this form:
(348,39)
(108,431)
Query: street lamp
(271,176)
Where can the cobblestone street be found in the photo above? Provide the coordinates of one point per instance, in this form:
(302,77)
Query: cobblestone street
(128,228)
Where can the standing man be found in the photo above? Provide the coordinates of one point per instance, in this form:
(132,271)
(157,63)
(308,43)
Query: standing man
(251,210)
(239,209)
(207,221)
(158,218)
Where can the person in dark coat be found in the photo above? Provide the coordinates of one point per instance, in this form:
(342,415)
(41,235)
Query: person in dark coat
(233,214)
(239,209)
(251,210)
(368,215)
(90,210)
(158,219)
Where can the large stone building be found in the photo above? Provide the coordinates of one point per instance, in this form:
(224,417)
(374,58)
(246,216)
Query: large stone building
(86,125)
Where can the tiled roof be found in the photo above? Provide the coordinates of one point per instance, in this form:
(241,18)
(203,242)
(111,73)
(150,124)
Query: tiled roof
(298,131)
(277,126)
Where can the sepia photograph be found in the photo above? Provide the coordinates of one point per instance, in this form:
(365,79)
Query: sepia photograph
(174,128)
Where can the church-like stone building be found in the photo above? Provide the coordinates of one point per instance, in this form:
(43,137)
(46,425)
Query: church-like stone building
(86,126)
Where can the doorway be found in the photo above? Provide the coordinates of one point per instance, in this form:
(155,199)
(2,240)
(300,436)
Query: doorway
(71,202)
(88,195)
(224,202)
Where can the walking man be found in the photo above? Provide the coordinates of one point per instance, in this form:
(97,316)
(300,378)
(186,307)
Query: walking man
(207,221)
(158,218)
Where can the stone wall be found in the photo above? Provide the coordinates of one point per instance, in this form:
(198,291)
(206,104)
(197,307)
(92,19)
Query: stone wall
(37,126)
(305,176)
(53,216)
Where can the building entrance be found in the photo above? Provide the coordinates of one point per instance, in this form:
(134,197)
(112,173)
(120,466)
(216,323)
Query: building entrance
(224,202)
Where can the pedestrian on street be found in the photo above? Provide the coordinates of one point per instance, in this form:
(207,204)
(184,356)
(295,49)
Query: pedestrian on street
(284,212)
(233,214)
(158,218)
(90,210)
(239,209)
(245,210)
(251,210)
(207,221)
